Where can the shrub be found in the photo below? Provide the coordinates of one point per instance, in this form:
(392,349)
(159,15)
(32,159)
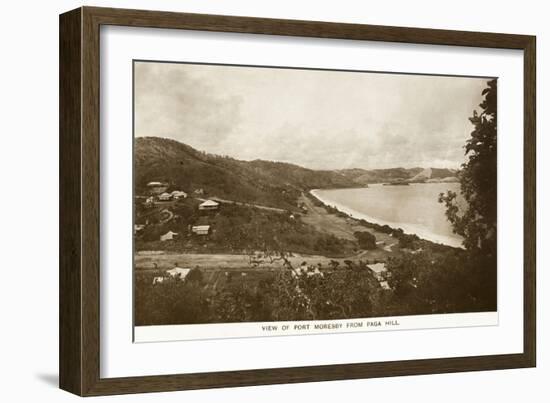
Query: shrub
(195,275)
(366,240)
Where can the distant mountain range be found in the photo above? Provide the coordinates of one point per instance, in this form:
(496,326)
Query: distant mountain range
(400,175)
(264,182)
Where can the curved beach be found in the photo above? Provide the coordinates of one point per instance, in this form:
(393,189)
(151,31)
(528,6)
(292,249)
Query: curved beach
(409,228)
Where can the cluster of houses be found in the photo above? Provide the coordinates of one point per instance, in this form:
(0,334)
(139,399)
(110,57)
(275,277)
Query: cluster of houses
(379,271)
(175,195)
(195,229)
(165,196)
(202,230)
(158,193)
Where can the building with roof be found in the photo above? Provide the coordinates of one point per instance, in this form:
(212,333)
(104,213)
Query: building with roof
(380,272)
(209,205)
(165,196)
(200,229)
(178,194)
(170,235)
(157,188)
(378,269)
(178,272)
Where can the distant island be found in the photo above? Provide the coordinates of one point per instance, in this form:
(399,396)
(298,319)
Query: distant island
(399,183)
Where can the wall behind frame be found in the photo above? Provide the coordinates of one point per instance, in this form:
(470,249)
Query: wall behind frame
(29,172)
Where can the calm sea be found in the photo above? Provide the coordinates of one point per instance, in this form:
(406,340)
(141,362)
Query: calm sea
(413,208)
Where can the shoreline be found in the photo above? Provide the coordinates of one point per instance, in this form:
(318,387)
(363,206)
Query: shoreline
(407,228)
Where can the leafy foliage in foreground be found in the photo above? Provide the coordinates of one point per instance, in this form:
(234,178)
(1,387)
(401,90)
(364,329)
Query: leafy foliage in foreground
(477,223)
(478,181)
(421,283)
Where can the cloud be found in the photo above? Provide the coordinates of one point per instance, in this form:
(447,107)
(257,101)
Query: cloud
(317,119)
(169,102)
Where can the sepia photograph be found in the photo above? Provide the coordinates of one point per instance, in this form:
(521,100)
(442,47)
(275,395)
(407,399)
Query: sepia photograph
(275,194)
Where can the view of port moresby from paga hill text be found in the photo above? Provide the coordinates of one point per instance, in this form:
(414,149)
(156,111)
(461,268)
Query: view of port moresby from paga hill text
(268,194)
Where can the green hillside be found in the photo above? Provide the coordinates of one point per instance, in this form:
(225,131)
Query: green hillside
(263,182)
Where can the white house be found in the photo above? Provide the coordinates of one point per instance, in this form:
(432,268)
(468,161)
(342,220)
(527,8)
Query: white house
(157,187)
(178,194)
(379,270)
(178,272)
(165,196)
(209,205)
(170,235)
(200,229)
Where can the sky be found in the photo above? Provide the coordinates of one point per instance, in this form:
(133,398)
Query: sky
(316,119)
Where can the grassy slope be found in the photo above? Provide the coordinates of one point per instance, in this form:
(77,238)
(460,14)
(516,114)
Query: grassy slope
(262,182)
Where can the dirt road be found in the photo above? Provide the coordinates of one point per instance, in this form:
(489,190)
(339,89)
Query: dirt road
(259,206)
(146,260)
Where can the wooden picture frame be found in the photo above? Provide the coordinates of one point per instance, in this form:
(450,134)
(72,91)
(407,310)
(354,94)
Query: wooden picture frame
(79,348)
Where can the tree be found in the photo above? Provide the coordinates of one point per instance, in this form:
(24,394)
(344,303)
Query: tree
(476,222)
(170,302)
(195,275)
(427,283)
(365,239)
(352,292)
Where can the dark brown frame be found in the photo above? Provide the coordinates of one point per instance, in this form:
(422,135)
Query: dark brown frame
(79,200)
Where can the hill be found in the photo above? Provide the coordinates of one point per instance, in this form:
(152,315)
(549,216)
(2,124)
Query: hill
(269,183)
(435,175)
(263,182)
(363,177)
